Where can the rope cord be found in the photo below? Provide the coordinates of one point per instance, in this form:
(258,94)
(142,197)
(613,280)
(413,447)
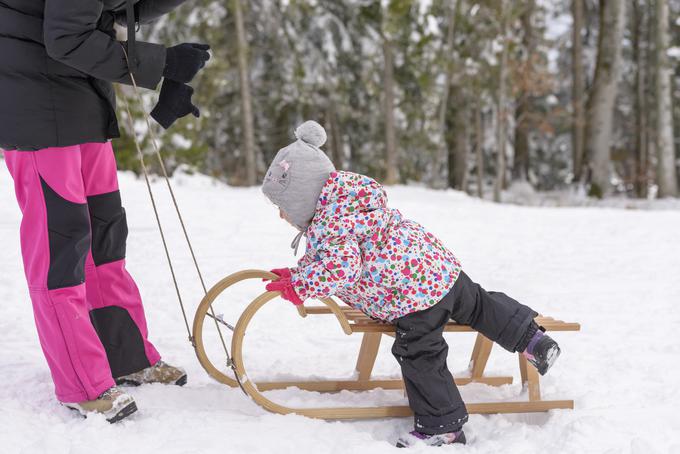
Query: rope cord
(158,220)
(154,142)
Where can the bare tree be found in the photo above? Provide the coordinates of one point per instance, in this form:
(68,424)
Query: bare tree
(391,171)
(479,148)
(640,179)
(441,171)
(600,108)
(666,173)
(578,90)
(246,99)
(335,137)
(526,70)
(502,108)
(458,153)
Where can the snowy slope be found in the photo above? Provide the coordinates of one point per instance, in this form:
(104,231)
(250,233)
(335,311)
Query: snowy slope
(615,271)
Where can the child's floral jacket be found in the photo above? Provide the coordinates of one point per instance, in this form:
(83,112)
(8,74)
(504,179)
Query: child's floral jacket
(368,255)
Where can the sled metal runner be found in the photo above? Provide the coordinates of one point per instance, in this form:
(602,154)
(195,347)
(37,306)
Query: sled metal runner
(353,321)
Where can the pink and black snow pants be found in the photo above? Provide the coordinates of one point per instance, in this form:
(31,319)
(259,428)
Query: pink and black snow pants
(87,308)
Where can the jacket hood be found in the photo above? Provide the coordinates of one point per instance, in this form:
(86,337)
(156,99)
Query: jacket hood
(347,194)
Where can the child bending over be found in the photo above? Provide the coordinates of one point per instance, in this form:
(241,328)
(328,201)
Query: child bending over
(392,269)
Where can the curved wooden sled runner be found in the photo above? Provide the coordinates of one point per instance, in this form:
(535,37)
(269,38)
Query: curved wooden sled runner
(353,321)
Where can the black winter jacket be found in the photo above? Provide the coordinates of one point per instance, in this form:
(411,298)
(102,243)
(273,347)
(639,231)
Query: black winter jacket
(58,59)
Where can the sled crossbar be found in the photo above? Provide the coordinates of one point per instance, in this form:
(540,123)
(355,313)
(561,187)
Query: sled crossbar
(353,321)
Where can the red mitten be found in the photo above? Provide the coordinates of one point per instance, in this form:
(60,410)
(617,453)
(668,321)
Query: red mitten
(285,286)
(282,273)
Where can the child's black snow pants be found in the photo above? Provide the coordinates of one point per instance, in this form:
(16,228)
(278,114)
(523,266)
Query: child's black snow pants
(421,350)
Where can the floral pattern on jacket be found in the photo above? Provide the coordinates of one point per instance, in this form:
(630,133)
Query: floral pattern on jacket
(368,255)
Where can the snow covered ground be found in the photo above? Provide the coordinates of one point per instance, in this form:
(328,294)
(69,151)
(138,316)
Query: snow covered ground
(616,271)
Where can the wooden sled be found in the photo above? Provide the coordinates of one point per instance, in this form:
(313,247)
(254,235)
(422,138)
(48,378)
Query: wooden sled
(353,321)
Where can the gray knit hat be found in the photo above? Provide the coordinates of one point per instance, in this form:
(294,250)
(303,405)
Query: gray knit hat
(297,174)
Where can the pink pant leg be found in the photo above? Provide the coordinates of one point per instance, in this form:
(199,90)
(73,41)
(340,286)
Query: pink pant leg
(55,241)
(118,313)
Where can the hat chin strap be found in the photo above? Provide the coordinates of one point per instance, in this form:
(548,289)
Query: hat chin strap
(296,241)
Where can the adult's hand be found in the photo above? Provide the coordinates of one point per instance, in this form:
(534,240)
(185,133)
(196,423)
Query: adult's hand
(184,61)
(174,102)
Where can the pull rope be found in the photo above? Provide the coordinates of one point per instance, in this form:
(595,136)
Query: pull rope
(154,142)
(158,221)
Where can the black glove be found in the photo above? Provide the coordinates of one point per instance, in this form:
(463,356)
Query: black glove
(184,61)
(174,102)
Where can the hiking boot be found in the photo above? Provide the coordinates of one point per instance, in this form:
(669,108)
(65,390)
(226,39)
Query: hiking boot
(414,437)
(113,403)
(542,352)
(158,373)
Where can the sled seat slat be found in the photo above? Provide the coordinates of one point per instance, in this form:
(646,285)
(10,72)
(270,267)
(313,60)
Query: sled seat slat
(360,323)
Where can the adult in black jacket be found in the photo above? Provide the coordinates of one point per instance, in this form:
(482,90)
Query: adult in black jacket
(57,114)
(59,58)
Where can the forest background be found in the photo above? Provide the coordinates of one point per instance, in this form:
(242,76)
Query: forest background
(481,96)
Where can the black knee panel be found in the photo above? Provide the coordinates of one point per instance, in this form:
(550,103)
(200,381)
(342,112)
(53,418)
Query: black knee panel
(68,227)
(109,227)
(121,339)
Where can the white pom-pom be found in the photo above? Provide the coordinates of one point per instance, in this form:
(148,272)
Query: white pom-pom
(312,133)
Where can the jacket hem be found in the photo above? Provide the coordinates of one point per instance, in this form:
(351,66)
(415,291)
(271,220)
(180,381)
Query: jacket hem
(69,143)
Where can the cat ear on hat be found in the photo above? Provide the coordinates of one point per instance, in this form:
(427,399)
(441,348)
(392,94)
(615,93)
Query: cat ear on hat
(277,178)
(312,133)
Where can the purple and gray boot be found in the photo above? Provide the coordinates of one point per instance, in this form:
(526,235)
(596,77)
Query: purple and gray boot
(414,437)
(542,351)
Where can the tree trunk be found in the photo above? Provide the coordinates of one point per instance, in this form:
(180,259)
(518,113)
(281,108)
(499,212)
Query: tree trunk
(391,171)
(640,180)
(479,148)
(666,173)
(600,109)
(520,168)
(442,166)
(246,99)
(650,104)
(335,138)
(502,113)
(460,160)
(458,154)
(578,90)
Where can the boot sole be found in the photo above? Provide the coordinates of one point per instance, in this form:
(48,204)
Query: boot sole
(553,354)
(459,440)
(124,413)
(181,381)
(127,383)
(551,357)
